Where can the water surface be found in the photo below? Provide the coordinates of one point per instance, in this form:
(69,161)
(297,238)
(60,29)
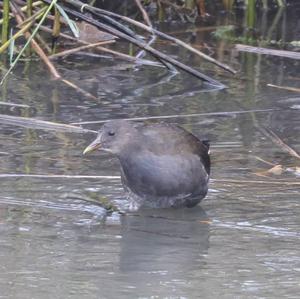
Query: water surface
(241,242)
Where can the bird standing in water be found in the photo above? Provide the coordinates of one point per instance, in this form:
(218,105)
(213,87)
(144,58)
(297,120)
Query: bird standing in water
(162,165)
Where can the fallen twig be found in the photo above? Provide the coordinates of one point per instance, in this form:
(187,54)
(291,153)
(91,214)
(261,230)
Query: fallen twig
(78,89)
(285,87)
(179,116)
(32,123)
(149,29)
(106,50)
(14,105)
(148,22)
(74,50)
(144,46)
(144,13)
(264,161)
(57,176)
(265,51)
(269,133)
(267,182)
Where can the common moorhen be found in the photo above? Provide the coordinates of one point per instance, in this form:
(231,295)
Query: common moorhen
(162,165)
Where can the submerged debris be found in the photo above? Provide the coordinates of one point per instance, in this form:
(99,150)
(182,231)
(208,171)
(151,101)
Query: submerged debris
(95,29)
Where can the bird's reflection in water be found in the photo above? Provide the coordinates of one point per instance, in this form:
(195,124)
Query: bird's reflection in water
(163,246)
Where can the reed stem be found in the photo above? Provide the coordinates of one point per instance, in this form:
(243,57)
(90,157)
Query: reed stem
(5,24)
(29,8)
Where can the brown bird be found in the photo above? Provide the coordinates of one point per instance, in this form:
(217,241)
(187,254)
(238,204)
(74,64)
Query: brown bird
(162,165)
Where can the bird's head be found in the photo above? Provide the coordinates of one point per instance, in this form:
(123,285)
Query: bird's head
(113,137)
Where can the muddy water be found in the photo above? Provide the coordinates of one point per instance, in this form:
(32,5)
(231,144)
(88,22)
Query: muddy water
(241,242)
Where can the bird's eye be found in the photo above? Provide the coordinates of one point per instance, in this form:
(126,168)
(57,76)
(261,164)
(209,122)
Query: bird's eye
(111,133)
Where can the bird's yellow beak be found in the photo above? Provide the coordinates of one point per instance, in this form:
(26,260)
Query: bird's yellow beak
(93,146)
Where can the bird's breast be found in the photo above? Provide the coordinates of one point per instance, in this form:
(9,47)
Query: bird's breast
(163,175)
